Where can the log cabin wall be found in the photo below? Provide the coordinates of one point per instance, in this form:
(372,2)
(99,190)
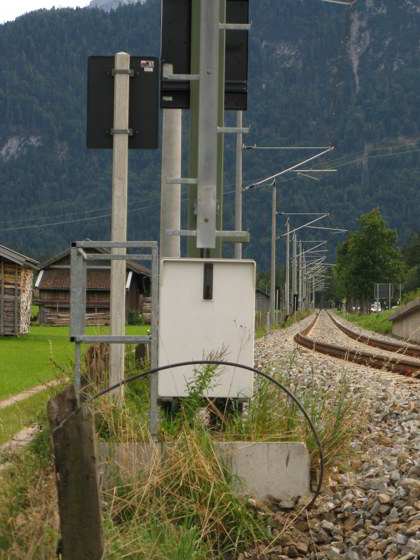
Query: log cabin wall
(15,298)
(54,290)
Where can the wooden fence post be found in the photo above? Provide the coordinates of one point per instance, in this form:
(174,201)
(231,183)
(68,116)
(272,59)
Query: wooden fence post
(76,477)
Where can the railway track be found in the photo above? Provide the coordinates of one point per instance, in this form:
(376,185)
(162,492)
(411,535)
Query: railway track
(392,356)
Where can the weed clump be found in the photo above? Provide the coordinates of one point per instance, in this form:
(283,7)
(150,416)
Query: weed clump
(176,499)
(182,501)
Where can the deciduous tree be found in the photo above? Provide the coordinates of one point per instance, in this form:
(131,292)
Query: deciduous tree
(367,256)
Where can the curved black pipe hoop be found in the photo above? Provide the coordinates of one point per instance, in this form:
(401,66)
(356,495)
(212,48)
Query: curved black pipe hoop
(218,363)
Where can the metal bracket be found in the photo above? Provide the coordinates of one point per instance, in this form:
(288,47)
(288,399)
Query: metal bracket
(181,77)
(235,26)
(128,71)
(181,181)
(123,339)
(232,130)
(167,74)
(193,233)
(128,131)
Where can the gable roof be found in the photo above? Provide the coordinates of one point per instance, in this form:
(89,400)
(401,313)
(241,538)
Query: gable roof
(17,258)
(131,265)
(261,293)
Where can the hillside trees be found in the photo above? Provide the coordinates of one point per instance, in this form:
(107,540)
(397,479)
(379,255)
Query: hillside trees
(367,256)
(302,92)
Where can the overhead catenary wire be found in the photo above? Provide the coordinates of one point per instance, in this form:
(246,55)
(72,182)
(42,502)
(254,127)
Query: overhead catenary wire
(108,215)
(284,171)
(342,161)
(78,212)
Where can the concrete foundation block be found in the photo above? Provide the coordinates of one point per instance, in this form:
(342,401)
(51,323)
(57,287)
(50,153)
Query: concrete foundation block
(277,469)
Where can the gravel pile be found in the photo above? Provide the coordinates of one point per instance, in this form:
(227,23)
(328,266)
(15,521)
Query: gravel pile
(373,512)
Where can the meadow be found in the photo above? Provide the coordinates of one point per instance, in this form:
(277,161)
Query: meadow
(33,359)
(377,322)
(39,356)
(186,507)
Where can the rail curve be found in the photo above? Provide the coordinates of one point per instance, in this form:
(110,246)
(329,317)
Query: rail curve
(396,364)
(390,346)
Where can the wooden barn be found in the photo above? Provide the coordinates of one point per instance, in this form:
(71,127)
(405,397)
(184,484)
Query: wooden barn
(52,290)
(16,277)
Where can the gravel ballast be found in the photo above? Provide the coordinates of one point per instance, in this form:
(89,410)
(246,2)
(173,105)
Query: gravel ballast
(373,511)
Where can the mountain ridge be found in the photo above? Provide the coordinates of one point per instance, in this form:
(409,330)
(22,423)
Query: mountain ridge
(319,75)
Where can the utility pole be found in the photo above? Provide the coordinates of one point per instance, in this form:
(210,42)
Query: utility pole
(294,275)
(239,183)
(313,292)
(295,167)
(119,216)
(170,209)
(304,303)
(287,283)
(207,113)
(300,275)
(273,255)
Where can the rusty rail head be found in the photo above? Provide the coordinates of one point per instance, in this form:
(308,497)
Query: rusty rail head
(396,365)
(403,349)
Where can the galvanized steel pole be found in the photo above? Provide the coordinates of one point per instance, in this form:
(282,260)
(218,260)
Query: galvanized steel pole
(207,125)
(205,201)
(239,183)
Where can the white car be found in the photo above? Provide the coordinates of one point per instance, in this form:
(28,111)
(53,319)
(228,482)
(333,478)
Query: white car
(375,307)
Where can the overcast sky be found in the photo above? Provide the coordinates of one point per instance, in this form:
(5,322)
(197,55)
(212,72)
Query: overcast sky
(11,9)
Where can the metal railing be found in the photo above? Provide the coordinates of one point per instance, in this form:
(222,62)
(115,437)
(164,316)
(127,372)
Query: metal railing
(79,260)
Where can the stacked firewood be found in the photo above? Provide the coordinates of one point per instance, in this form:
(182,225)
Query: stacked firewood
(147,310)
(63,319)
(16,295)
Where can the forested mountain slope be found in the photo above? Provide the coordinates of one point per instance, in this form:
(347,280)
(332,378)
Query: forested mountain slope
(320,74)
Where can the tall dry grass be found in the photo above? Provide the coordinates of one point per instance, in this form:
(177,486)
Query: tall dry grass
(180,503)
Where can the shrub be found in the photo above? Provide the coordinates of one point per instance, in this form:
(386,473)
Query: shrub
(135,318)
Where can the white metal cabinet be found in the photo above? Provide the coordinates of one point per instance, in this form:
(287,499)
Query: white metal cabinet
(192,327)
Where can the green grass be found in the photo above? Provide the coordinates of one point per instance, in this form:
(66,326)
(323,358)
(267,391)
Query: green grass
(298,316)
(185,507)
(22,414)
(28,360)
(377,322)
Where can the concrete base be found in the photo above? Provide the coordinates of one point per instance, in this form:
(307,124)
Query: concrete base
(277,469)
(406,321)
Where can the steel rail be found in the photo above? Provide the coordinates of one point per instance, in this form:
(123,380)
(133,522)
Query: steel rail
(403,349)
(395,365)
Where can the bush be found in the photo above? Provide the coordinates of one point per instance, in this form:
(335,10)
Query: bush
(410,296)
(135,318)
